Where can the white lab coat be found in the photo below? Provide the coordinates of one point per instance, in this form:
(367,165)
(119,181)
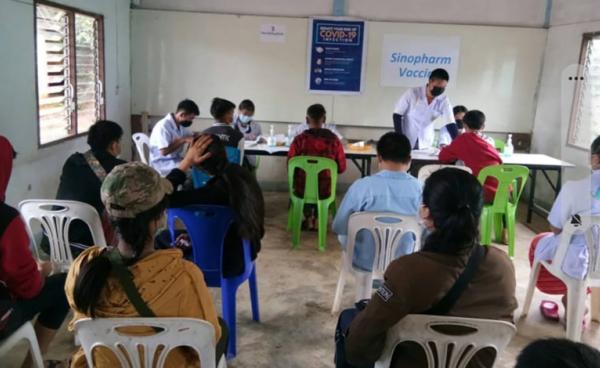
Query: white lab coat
(418,115)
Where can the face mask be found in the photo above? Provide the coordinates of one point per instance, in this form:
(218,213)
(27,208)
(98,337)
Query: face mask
(436,91)
(459,123)
(186,123)
(245,119)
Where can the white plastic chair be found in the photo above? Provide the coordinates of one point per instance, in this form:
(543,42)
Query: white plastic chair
(142,143)
(55,217)
(174,332)
(387,237)
(24,332)
(576,289)
(427,170)
(453,350)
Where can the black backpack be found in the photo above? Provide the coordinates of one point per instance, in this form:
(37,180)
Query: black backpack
(7,214)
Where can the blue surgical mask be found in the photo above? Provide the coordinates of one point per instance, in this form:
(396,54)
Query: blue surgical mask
(245,119)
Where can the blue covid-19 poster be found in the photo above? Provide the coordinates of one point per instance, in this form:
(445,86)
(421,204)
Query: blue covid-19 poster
(336,56)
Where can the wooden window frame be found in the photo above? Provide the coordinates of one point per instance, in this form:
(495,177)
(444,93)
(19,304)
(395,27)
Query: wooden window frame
(100,39)
(587,37)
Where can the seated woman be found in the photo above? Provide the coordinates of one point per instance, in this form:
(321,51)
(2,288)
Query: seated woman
(135,198)
(82,175)
(575,198)
(231,185)
(30,290)
(452,203)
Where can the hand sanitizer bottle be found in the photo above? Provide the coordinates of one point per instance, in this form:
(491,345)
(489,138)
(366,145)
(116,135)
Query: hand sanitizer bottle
(271,140)
(508,148)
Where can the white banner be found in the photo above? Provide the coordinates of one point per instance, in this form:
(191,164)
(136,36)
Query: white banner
(407,61)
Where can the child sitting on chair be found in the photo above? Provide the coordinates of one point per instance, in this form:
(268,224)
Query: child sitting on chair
(244,121)
(316,141)
(575,198)
(392,189)
(472,148)
(222,110)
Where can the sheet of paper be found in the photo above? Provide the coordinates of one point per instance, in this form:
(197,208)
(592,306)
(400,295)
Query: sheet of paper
(272,33)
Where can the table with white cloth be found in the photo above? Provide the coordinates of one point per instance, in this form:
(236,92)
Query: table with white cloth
(362,160)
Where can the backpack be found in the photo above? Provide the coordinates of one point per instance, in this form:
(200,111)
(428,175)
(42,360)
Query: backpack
(7,305)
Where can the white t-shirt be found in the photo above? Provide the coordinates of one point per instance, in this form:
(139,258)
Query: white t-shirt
(575,197)
(418,115)
(163,134)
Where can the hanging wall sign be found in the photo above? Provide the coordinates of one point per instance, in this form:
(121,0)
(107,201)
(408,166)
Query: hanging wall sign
(336,56)
(408,60)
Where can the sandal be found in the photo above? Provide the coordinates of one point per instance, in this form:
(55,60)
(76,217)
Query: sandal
(549,310)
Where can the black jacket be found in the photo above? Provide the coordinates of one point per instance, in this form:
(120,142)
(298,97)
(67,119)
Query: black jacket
(78,182)
(230,136)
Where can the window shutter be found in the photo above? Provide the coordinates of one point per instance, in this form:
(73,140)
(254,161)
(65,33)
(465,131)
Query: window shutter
(594,80)
(89,86)
(55,91)
(585,117)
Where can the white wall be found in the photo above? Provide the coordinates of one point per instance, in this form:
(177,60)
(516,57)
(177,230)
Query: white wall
(148,86)
(574,11)
(37,170)
(498,70)
(555,93)
(485,12)
(489,12)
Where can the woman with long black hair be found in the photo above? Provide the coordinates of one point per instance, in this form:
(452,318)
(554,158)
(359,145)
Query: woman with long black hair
(420,283)
(231,185)
(169,286)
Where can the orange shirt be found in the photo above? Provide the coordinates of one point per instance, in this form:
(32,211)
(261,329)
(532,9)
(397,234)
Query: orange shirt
(170,285)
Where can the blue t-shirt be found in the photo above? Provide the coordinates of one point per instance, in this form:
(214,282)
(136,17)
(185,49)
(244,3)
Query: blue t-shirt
(386,191)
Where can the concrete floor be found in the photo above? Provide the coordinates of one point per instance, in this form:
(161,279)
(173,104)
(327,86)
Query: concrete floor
(296,290)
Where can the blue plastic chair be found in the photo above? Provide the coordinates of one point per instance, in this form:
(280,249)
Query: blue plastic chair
(207,227)
(200,178)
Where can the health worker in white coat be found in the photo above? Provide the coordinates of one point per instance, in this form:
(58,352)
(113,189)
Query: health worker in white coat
(419,107)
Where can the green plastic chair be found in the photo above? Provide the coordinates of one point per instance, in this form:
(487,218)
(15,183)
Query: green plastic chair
(511,182)
(311,166)
(499,145)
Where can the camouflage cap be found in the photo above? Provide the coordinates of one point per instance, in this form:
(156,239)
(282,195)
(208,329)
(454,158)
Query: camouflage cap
(133,188)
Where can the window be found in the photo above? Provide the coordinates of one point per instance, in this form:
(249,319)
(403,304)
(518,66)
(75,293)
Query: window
(70,71)
(585,114)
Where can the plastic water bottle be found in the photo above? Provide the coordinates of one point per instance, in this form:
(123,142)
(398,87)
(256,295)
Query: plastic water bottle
(508,148)
(290,135)
(271,140)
